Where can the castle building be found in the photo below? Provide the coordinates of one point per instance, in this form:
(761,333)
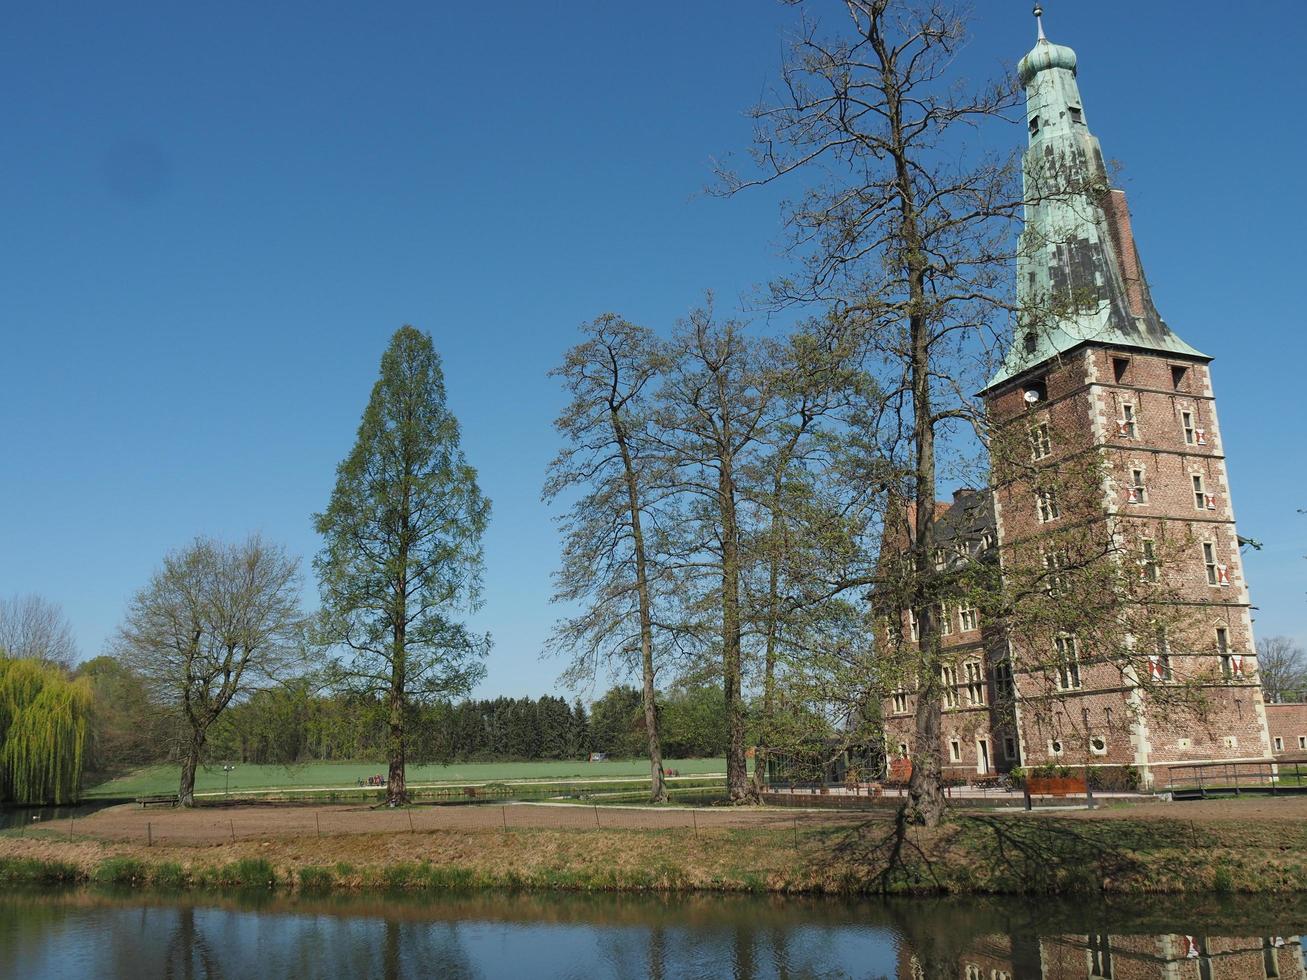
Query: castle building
(1098,374)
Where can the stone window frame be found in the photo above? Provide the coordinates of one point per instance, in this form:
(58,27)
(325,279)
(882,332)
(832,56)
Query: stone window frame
(1137,488)
(973,678)
(1068,668)
(1149,566)
(1041,441)
(1210,564)
(968,617)
(1127,426)
(1188,427)
(1046,505)
(1101,748)
(948,679)
(955,749)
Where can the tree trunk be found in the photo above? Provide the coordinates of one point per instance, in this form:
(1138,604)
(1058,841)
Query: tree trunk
(926,803)
(769,661)
(190,763)
(925,786)
(737,769)
(657,782)
(396,791)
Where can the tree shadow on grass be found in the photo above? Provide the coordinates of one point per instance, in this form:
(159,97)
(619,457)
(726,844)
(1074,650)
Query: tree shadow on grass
(1006,854)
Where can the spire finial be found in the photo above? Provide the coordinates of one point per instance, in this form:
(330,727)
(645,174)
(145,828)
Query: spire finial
(1039,21)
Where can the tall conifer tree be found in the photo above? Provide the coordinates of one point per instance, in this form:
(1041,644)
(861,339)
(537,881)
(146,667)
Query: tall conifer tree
(402,557)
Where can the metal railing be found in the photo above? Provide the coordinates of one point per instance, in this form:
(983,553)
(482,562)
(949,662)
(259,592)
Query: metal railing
(1236,777)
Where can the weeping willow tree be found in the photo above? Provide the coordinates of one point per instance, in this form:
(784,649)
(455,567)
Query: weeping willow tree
(43,721)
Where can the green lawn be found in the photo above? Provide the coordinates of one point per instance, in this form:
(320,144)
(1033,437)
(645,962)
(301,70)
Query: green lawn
(163,779)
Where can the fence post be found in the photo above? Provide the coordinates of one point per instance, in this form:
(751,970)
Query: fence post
(149,834)
(694,816)
(410,822)
(1235,771)
(596,815)
(796,833)
(232,824)
(317,821)
(1026,790)
(503,812)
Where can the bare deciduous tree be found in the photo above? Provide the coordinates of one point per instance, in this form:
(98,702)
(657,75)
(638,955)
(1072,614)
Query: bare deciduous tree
(906,238)
(216,622)
(35,628)
(1282,668)
(607,562)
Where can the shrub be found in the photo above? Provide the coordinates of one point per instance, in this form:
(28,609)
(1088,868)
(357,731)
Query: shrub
(316,879)
(168,874)
(119,871)
(248,873)
(36,870)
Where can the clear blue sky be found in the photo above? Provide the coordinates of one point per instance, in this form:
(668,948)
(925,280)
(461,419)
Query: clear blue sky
(215,217)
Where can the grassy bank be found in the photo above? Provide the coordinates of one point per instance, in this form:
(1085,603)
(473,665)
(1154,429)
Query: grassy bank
(319,776)
(973,854)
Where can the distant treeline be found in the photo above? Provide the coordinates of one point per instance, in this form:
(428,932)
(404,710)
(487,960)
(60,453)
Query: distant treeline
(296,722)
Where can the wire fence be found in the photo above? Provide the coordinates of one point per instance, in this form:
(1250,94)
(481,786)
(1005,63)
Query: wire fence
(217,824)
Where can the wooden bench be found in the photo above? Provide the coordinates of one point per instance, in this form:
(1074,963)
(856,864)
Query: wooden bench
(160,799)
(1061,786)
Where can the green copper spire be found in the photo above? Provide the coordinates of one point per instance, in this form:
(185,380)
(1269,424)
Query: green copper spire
(1079,278)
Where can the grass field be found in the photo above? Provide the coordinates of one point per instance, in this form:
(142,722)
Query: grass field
(345,775)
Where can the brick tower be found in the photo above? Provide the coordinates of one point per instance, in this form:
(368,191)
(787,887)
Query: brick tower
(1099,372)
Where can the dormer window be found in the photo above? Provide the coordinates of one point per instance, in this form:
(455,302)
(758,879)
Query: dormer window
(1034,125)
(1034,393)
(1119,367)
(1077,116)
(1031,341)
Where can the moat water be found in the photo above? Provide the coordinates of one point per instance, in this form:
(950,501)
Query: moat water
(90,933)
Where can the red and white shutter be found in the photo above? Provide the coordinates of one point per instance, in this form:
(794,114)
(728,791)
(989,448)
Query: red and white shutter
(1211,500)
(1222,574)
(1236,664)
(1201,436)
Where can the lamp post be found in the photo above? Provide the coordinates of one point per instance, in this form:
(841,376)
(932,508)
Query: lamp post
(227,769)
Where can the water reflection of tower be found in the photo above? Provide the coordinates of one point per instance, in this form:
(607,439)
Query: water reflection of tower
(1122,957)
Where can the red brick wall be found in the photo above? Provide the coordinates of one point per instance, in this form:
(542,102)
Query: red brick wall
(1288,722)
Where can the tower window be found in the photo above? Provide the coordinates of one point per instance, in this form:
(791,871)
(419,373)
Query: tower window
(1209,563)
(1003,682)
(955,750)
(1034,125)
(1136,493)
(1068,660)
(1128,425)
(1077,116)
(1055,564)
(1009,748)
(1187,420)
(948,677)
(1040,443)
(1148,561)
(1119,367)
(1179,377)
(1046,506)
(975,678)
(1200,493)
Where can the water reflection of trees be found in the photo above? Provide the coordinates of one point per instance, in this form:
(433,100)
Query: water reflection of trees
(488,935)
